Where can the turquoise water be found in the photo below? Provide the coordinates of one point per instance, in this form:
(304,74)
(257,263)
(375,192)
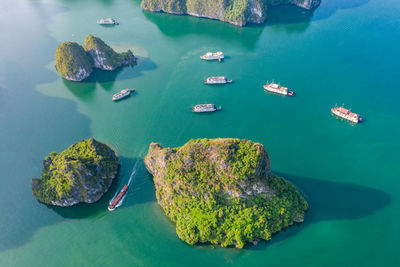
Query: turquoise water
(340,53)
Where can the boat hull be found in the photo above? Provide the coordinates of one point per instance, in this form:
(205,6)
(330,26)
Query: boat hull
(114,202)
(203,108)
(123,94)
(213,82)
(346,117)
(277,89)
(213,56)
(203,111)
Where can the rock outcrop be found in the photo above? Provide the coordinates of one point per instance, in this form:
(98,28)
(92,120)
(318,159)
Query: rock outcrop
(72,62)
(236,12)
(222,191)
(75,63)
(81,173)
(104,57)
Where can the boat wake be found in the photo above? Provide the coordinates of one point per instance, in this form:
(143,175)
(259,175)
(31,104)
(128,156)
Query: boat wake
(129,183)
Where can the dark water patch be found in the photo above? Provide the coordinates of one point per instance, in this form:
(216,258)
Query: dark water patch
(141,190)
(331,201)
(329,7)
(84,90)
(339,201)
(21,160)
(32,125)
(103,76)
(291,19)
(177,26)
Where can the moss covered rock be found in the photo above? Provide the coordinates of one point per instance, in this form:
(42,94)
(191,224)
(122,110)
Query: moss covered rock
(81,173)
(72,62)
(222,191)
(237,12)
(104,57)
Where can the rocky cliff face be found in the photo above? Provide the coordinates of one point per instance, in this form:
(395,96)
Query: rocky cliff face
(236,12)
(81,173)
(215,189)
(104,57)
(76,63)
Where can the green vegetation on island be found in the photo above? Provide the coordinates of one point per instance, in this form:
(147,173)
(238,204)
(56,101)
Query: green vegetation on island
(72,61)
(104,57)
(222,191)
(76,63)
(81,173)
(237,12)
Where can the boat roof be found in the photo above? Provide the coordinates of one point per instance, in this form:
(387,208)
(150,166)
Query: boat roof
(346,111)
(276,86)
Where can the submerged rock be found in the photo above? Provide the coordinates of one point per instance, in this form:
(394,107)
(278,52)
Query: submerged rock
(237,12)
(81,173)
(222,191)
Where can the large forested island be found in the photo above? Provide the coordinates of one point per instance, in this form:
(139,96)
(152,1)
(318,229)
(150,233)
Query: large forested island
(222,191)
(237,12)
(76,63)
(81,173)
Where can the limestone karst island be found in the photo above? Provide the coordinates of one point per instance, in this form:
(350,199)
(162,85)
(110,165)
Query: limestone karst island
(81,173)
(236,12)
(222,191)
(76,63)
(199,133)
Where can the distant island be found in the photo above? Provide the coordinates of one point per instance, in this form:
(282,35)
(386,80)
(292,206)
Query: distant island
(76,63)
(222,191)
(81,173)
(236,12)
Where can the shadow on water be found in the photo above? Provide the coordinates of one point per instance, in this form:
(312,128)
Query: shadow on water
(106,79)
(289,18)
(40,124)
(141,190)
(292,19)
(180,26)
(329,7)
(331,201)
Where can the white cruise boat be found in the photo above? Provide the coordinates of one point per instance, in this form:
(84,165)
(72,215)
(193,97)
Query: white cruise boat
(276,88)
(217,80)
(124,93)
(213,56)
(107,21)
(346,114)
(205,108)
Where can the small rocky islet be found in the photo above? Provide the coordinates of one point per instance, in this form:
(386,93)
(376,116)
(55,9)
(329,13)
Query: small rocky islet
(221,191)
(236,12)
(81,173)
(76,63)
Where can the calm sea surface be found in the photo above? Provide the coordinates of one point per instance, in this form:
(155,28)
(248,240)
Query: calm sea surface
(343,52)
